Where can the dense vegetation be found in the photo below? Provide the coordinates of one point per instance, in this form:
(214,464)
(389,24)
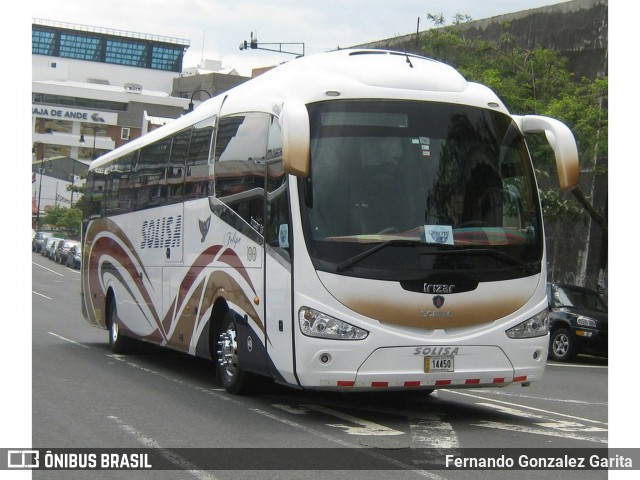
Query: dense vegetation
(533,81)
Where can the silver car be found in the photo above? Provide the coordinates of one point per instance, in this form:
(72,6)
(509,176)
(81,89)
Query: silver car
(50,247)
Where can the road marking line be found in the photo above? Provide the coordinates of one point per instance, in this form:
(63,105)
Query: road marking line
(48,269)
(529,408)
(277,418)
(68,340)
(345,443)
(291,409)
(570,426)
(573,365)
(40,294)
(433,431)
(546,399)
(430,431)
(364,427)
(537,431)
(177,460)
(513,411)
(213,391)
(551,423)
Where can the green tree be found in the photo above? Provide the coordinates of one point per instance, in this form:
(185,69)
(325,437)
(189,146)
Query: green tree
(64,218)
(71,221)
(532,81)
(54,216)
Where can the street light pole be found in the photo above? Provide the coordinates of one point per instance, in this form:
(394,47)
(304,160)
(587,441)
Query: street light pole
(190,109)
(73,179)
(253,44)
(36,147)
(93,156)
(94,129)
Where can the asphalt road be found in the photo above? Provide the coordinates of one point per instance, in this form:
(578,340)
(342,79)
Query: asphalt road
(85,396)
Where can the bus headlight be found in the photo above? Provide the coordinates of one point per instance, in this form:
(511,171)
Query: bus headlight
(536,326)
(318,324)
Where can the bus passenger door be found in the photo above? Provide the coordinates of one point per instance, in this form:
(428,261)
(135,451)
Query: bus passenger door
(279,320)
(237,227)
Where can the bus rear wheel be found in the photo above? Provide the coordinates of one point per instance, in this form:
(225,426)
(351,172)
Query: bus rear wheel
(119,343)
(234,379)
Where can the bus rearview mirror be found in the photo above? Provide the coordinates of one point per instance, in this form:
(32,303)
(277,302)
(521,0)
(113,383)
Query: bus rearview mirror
(562,142)
(294,122)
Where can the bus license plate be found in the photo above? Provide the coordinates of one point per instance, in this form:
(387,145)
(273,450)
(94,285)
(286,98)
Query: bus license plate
(438,364)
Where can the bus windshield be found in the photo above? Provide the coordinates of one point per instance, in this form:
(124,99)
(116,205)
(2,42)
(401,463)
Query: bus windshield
(452,182)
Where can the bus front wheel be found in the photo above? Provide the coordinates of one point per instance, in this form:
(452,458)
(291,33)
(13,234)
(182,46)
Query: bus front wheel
(234,379)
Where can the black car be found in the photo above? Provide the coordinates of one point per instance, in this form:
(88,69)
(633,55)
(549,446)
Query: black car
(74,257)
(578,322)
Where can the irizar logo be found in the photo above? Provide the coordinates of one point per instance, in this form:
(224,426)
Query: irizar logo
(437,288)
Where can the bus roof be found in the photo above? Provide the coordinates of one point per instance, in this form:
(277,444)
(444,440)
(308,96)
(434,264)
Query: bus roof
(340,74)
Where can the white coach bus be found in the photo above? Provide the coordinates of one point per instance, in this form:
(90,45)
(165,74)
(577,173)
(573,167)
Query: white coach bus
(352,220)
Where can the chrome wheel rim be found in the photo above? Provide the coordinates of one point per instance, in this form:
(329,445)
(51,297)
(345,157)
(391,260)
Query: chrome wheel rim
(114,331)
(228,352)
(561,345)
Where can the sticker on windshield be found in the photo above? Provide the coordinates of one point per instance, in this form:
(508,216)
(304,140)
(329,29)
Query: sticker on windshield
(283,235)
(442,234)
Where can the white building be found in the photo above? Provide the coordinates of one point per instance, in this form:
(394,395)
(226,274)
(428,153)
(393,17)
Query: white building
(94,89)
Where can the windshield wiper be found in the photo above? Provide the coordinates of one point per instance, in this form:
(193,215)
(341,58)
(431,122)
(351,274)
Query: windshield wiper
(529,267)
(361,256)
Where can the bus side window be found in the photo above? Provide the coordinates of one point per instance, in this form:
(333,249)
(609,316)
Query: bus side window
(177,166)
(126,187)
(239,169)
(151,189)
(278,229)
(197,179)
(95,196)
(117,190)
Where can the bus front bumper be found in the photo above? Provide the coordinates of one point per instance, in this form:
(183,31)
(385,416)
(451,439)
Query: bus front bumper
(428,367)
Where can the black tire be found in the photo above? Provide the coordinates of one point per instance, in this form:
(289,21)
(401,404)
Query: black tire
(119,343)
(234,380)
(562,347)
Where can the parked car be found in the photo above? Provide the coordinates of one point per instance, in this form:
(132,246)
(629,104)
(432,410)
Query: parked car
(46,242)
(74,257)
(38,240)
(62,250)
(578,322)
(50,247)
